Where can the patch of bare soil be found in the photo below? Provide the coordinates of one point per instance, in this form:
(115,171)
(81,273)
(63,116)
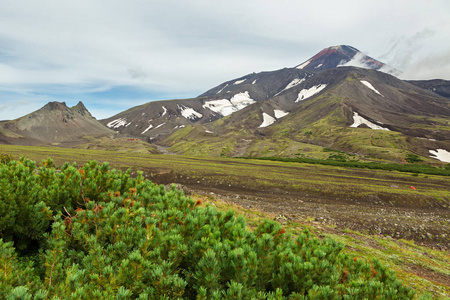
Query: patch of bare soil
(426,226)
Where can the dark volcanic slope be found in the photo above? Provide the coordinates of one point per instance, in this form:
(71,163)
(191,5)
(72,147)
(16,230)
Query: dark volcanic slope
(438,86)
(155,120)
(328,104)
(53,123)
(377,96)
(343,55)
(160,118)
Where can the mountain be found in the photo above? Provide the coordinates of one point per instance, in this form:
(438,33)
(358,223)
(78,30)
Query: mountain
(438,86)
(340,99)
(358,111)
(321,103)
(55,123)
(343,55)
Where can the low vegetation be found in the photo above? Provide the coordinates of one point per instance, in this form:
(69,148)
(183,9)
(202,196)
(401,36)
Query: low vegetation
(419,267)
(89,232)
(341,160)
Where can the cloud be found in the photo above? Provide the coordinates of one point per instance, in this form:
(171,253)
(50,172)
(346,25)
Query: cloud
(137,73)
(435,66)
(404,49)
(55,50)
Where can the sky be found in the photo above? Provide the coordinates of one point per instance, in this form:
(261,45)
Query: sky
(113,55)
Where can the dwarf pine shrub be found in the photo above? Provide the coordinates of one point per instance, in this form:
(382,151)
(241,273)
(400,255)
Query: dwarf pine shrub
(90,232)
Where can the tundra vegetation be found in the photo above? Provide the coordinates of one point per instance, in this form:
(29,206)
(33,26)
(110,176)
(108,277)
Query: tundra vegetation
(89,232)
(82,207)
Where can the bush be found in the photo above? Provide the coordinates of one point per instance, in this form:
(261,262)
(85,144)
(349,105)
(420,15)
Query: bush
(113,236)
(5,158)
(413,158)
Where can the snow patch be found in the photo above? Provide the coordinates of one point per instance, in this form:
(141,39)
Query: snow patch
(226,107)
(164,112)
(318,66)
(117,123)
(291,84)
(254,81)
(422,138)
(306,93)
(370,86)
(147,129)
(440,154)
(267,120)
(239,81)
(358,120)
(304,64)
(207,131)
(222,89)
(242,100)
(223,106)
(280,113)
(160,125)
(189,113)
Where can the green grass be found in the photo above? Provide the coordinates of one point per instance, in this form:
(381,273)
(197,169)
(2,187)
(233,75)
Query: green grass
(263,175)
(410,168)
(328,180)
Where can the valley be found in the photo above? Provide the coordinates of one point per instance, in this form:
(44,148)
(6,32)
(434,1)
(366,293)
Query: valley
(373,211)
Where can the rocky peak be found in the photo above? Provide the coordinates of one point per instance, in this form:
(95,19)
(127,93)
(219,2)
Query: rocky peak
(81,109)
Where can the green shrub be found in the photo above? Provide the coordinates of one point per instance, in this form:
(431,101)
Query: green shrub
(113,236)
(413,158)
(5,158)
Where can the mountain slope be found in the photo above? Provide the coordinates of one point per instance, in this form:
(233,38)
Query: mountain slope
(438,86)
(324,110)
(156,120)
(324,102)
(55,123)
(343,55)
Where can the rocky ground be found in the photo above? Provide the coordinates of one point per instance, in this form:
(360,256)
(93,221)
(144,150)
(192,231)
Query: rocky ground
(428,226)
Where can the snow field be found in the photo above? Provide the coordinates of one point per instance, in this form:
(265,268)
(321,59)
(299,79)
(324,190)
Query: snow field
(239,81)
(267,120)
(147,129)
(306,93)
(440,154)
(226,107)
(279,113)
(189,113)
(358,120)
(370,86)
(293,83)
(117,123)
(304,64)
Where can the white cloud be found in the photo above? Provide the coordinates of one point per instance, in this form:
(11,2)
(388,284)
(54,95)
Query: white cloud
(187,47)
(434,66)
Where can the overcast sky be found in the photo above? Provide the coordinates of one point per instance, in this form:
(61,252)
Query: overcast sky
(114,55)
